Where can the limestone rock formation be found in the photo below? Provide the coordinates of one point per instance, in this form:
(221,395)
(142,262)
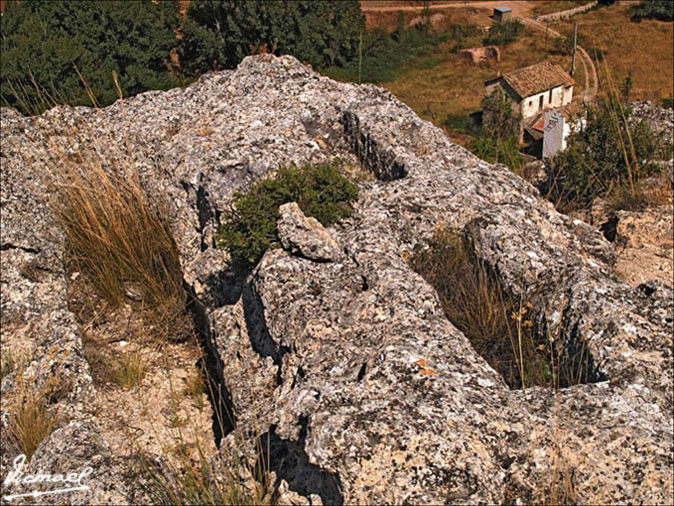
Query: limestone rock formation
(348,373)
(305,235)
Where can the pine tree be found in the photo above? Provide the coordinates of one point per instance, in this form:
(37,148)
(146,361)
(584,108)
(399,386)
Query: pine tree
(46,42)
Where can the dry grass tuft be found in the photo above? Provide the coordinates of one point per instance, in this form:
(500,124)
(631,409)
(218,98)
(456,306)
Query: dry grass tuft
(190,475)
(130,369)
(560,489)
(116,235)
(208,482)
(30,424)
(195,388)
(498,326)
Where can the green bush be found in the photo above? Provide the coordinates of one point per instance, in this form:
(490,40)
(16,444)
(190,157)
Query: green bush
(249,229)
(609,156)
(469,124)
(662,10)
(499,117)
(497,141)
(501,34)
(500,150)
(459,32)
(563,45)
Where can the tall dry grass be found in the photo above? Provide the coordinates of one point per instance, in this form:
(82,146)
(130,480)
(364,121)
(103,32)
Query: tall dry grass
(498,325)
(118,233)
(29,424)
(190,475)
(116,236)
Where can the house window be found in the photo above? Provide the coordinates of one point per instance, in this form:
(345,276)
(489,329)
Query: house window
(540,101)
(550,101)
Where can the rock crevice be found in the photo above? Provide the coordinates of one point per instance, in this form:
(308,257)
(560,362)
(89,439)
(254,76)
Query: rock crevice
(350,364)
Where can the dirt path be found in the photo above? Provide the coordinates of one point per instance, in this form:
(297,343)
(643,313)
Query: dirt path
(521,10)
(591,79)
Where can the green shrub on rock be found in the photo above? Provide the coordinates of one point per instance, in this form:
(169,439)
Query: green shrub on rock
(250,227)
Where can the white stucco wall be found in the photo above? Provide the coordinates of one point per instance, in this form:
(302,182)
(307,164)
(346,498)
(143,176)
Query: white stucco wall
(556,130)
(560,97)
(568,95)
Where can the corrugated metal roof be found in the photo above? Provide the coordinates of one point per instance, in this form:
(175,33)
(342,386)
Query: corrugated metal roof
(538,78)
(502,9)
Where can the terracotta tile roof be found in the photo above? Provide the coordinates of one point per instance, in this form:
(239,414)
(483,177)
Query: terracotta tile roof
(538,78)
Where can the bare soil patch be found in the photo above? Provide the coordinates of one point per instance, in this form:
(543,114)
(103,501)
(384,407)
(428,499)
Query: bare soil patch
(166,411)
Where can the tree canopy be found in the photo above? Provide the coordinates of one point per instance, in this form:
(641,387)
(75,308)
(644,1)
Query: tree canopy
(219,33)
(149,45)
(662,10)
(44,42)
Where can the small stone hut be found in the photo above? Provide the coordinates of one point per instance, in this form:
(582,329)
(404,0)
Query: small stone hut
(502,14)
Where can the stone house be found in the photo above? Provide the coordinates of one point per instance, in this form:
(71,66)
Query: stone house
(533,89)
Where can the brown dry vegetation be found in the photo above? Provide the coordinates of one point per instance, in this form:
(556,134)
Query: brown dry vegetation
(498,325)
(390,20)
(645,48)
(440,85)
(556,6)
(453,87)
(30,423)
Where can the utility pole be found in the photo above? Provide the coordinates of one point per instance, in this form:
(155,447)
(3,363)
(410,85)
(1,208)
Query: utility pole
(546,36)
(575,38)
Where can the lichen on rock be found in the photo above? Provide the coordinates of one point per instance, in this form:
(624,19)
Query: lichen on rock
(348,368)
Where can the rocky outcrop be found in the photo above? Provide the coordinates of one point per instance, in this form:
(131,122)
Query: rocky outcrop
(477,55)
(645,242)
(347,373)
(305,236)
(659,119)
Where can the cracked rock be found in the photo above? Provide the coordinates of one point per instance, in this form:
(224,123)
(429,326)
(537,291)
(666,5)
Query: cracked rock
(305,236)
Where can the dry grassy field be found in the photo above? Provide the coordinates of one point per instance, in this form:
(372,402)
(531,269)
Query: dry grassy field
(556,6)
(440,86)
(645,48)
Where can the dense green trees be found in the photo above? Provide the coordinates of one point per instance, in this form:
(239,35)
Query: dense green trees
(219,33)
(44,42)
(654,9)
(153,45)
(48,40)
(384,54)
